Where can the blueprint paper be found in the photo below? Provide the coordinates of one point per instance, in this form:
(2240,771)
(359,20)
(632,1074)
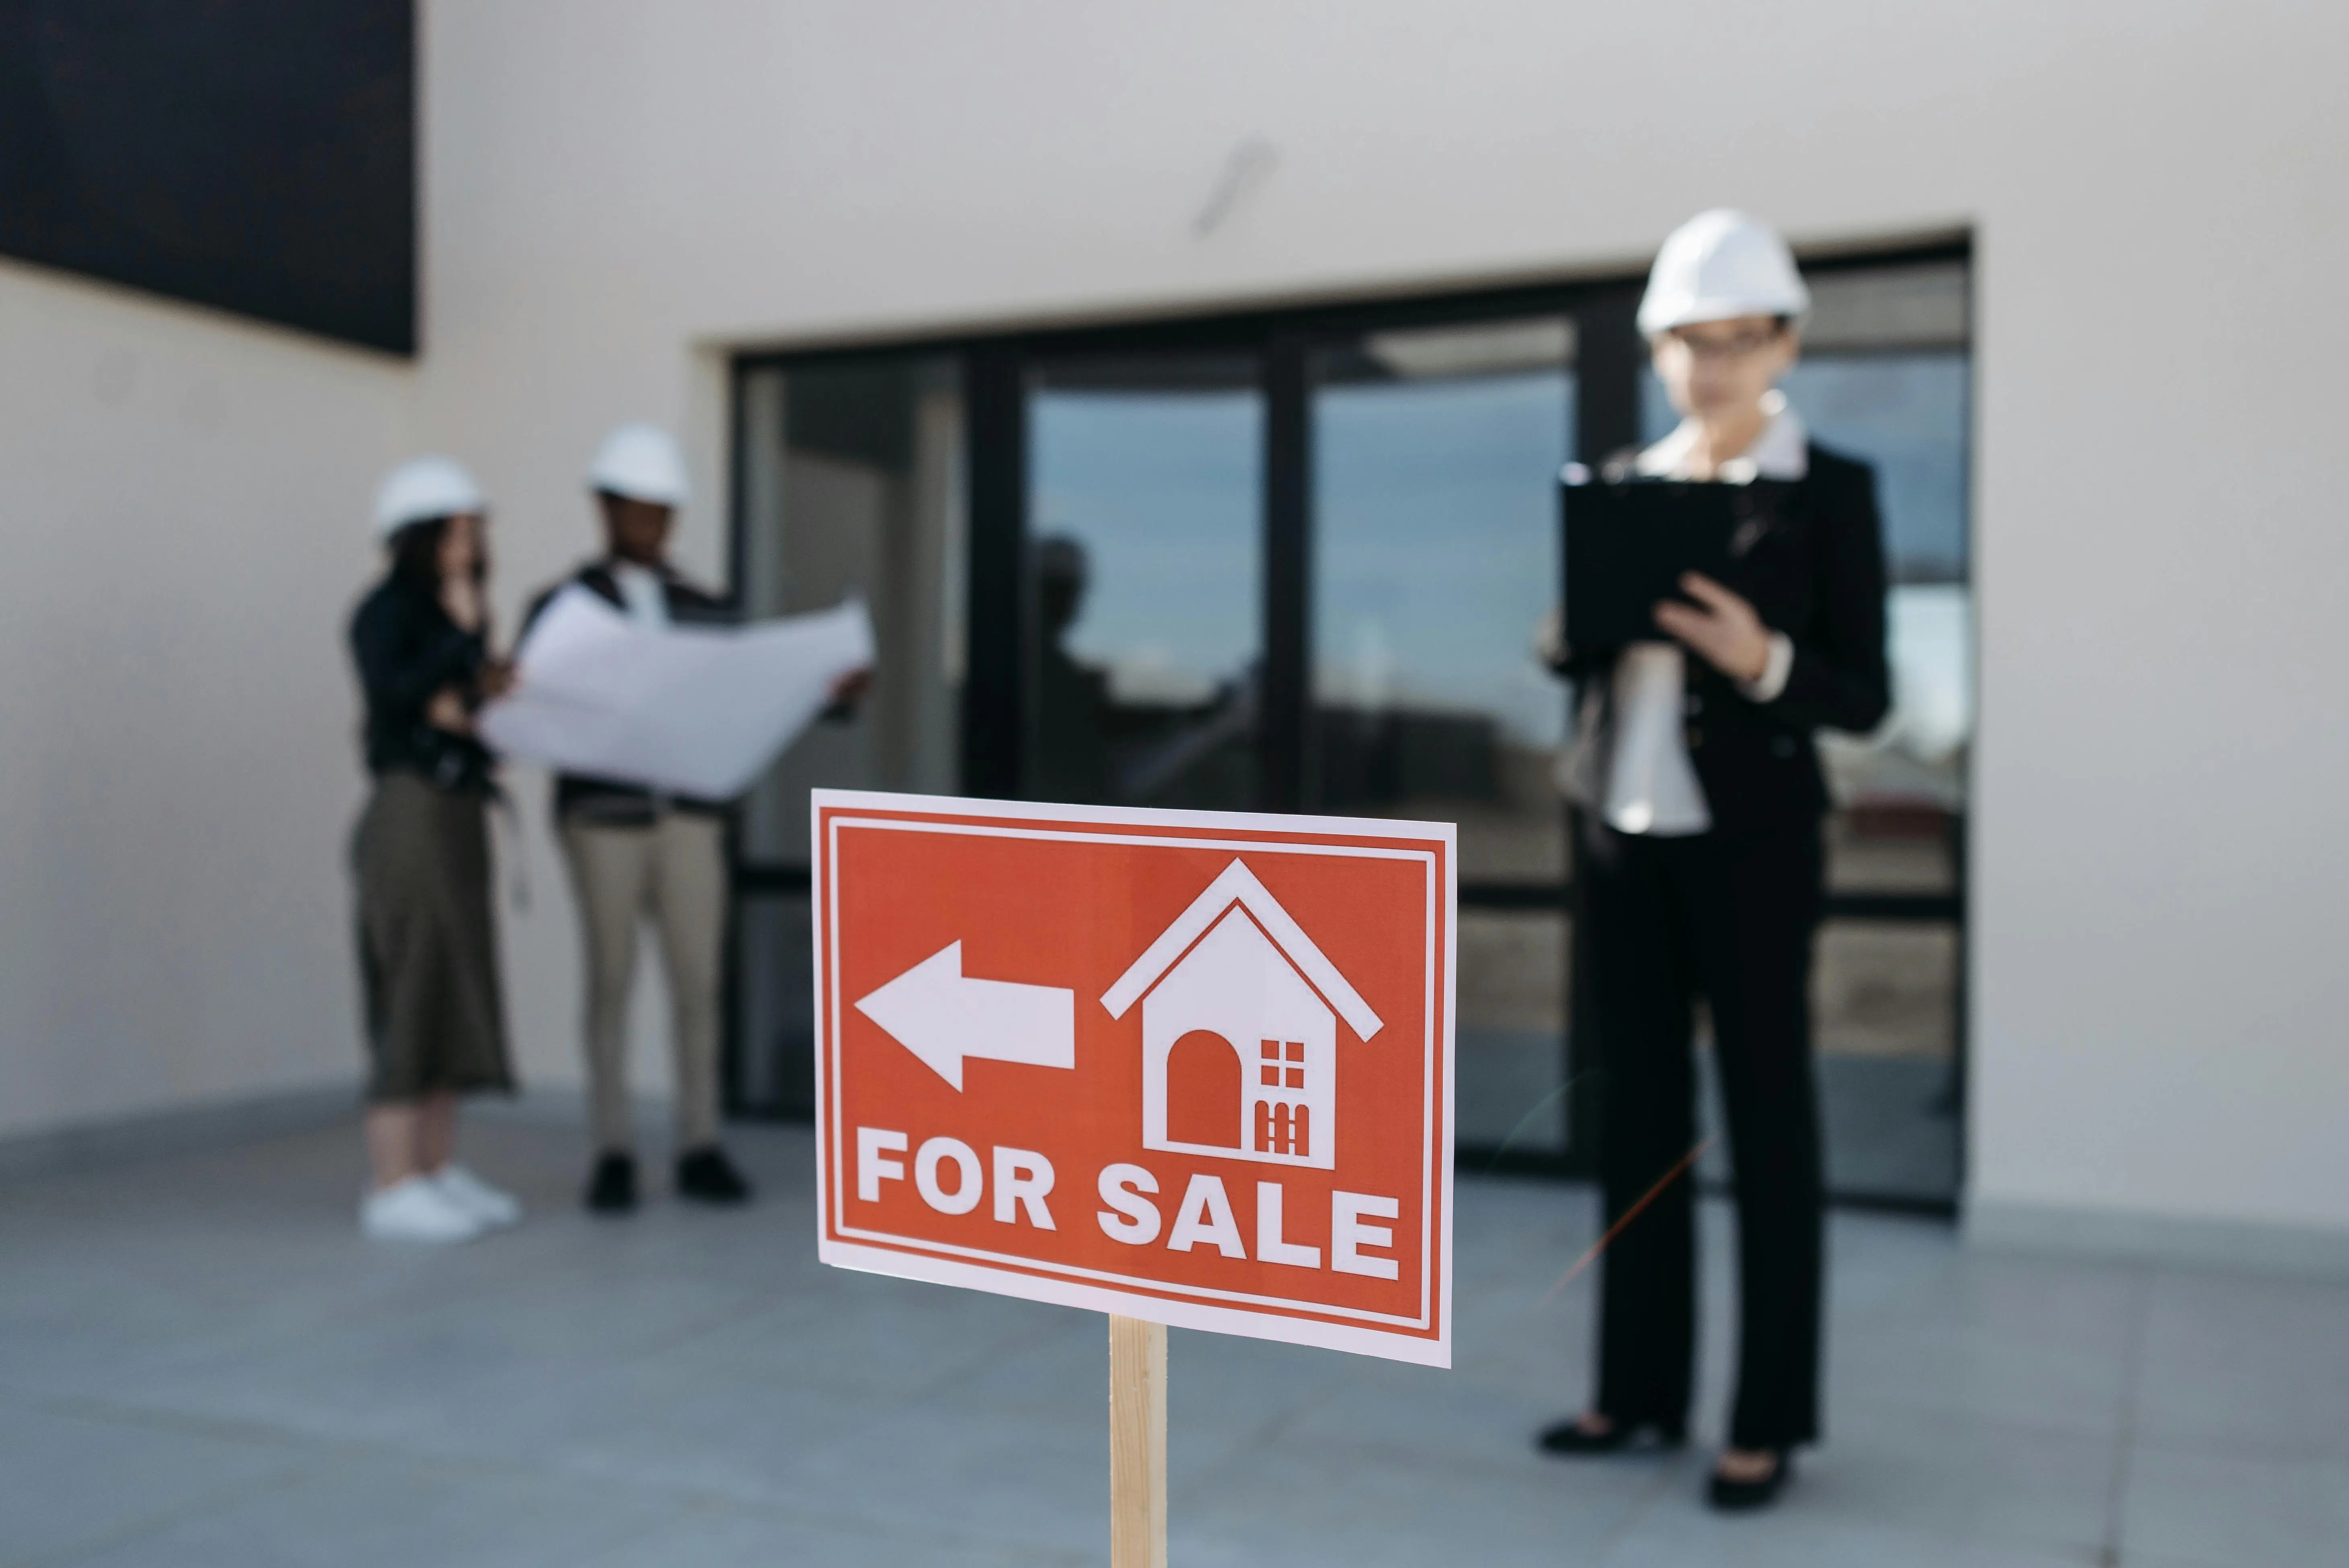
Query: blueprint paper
(689,710)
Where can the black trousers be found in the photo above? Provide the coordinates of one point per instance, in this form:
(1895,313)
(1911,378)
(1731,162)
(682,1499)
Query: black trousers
(1731,918)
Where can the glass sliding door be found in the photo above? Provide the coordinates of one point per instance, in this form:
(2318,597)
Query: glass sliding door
(1294,559)
(1435,455)
(852,485)
(1143,581)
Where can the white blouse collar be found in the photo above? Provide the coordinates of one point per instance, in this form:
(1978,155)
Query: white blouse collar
(1782,451)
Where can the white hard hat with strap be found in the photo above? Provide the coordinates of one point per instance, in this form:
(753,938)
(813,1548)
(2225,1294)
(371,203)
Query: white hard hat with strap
(421,490)
(1717,266)
(642,463)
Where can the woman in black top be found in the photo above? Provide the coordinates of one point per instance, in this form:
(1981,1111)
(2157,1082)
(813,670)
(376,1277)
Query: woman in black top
(428,958)
(1700,861)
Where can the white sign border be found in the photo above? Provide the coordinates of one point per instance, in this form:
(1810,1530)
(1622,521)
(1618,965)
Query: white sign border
(1066,1284)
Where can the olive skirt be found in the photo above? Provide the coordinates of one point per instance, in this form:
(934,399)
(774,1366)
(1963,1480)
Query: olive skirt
(428,946)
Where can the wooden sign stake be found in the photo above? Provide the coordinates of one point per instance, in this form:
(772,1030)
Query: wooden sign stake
(1137,1443)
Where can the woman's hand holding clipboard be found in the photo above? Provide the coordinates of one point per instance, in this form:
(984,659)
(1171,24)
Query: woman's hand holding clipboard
(1721,627)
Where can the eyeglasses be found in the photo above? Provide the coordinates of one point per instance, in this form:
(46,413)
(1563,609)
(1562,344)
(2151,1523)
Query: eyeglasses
(1743,346)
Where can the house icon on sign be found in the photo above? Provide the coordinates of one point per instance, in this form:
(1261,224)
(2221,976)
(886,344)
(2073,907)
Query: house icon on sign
(1239,1030)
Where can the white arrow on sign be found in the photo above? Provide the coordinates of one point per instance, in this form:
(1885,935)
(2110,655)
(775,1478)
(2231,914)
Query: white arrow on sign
(942,1016)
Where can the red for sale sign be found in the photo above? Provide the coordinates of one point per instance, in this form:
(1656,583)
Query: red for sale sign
(1189,1067)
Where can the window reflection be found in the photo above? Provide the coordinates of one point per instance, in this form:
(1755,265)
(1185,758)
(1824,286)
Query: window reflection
(1435,461)
(1145,491)
(853,483)
(1435,537)
(853,486)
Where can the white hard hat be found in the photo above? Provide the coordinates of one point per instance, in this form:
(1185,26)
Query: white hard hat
(422,489)
(1719,265)
(641,462)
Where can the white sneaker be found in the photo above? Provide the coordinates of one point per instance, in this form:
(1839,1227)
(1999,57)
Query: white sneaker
(476,1197)
(414,1210)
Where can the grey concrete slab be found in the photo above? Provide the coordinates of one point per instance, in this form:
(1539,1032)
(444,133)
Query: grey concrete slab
(2257,1364)
(2192,1505)
(708,1537)
(1678,1534)
(79,1477)
(1967,1479)
(1038,1484)
(645,1425)
(362,1510)
(2043,1344)
(1321,1501)
(692,1388)
(207,1258)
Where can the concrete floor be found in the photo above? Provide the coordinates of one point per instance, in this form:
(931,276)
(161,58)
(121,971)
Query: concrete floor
(202,1363)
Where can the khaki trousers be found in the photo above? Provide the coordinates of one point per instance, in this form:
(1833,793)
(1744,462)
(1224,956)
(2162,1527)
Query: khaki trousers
(673,873)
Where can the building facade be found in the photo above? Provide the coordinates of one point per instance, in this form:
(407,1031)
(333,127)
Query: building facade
(618,203)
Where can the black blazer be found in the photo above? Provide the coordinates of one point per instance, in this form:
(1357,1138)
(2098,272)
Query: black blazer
(407,649)
(1810,557)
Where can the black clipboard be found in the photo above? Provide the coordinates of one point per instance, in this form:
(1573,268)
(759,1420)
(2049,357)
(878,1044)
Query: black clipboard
(1627,542)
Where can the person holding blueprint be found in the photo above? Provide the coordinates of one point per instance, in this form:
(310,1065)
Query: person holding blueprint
(655,710)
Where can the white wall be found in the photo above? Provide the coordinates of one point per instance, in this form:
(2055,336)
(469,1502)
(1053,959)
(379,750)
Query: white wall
(185,523)
(617,192)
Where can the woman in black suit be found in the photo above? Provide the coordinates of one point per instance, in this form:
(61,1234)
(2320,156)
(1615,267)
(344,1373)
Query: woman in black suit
(1701,862)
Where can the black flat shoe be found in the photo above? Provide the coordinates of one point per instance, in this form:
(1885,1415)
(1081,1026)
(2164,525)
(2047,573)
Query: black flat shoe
(1745,1496)
(612,1189)
(1567,1439)
(707,1176)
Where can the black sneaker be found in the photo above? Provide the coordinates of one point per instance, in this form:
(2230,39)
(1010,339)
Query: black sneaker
(613,1188)
(707,1176)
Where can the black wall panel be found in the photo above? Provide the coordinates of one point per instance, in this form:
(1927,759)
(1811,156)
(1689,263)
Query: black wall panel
(255,155)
